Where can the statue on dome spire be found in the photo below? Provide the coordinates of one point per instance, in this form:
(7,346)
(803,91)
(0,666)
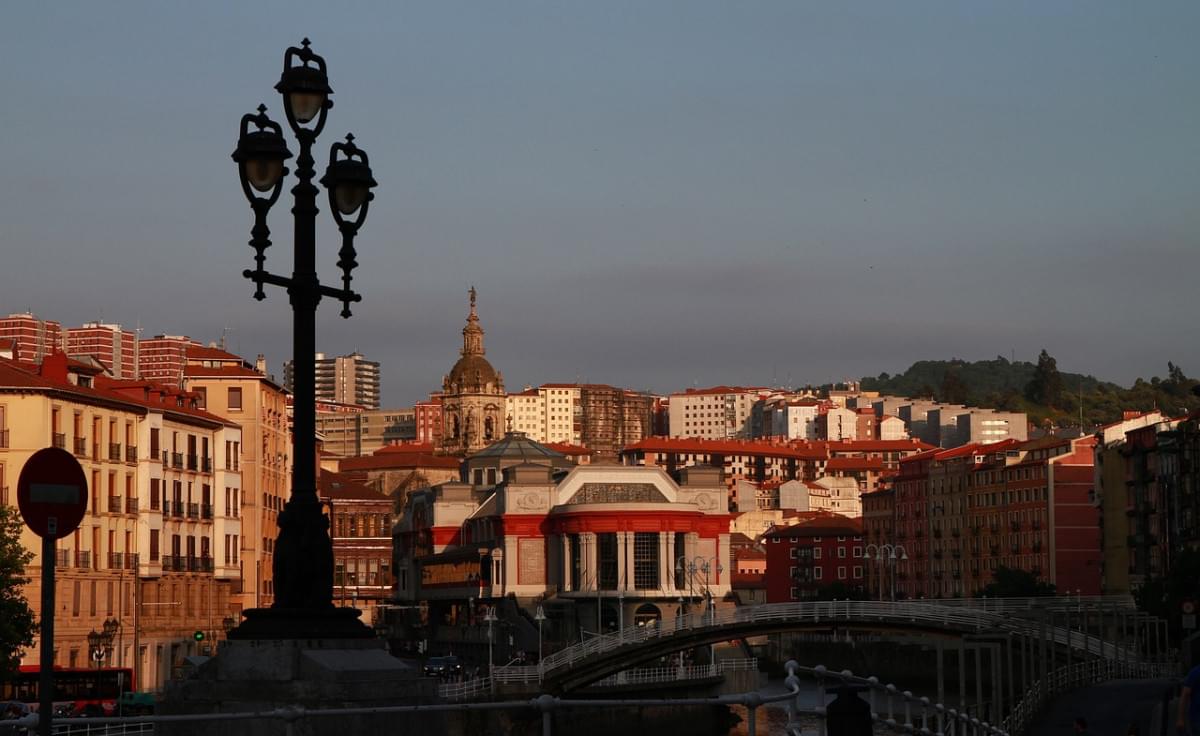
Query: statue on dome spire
(472,333)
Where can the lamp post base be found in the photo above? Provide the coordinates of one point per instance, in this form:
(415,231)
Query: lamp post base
(301,623)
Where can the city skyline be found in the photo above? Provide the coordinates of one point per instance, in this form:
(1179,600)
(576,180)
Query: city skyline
(852,188)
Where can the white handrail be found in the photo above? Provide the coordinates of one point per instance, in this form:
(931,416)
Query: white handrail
(911,612)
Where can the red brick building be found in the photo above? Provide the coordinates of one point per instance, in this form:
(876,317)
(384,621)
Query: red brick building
(32,338)
(115,348)
(805,559)
(161,358)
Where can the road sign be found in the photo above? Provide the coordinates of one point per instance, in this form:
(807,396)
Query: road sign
(1189,606)
(1189,621)
(52,493)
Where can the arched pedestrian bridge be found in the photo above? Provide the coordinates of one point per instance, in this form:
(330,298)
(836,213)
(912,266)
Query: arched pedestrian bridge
(587,662)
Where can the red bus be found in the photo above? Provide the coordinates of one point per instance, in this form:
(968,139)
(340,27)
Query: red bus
(77,691)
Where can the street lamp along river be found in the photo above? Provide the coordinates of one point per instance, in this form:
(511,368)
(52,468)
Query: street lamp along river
(303,561)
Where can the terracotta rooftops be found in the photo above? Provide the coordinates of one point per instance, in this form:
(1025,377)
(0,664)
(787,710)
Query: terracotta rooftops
(825,524)
(336,486)
(201,352)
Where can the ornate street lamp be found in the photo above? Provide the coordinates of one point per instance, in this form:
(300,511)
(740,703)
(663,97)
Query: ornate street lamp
(303,561)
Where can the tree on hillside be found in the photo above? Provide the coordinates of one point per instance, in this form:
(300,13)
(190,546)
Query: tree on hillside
(954,391)
(17,623)
(1012,582)
(1046,386)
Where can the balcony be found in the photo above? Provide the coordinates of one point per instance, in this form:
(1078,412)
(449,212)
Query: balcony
(177,460)
(166,459)
(3,438)
(80,446)
(956,574)
(920,533)
(1037,523)
(1016,549)
(177,509)
(60,440)
(115,561)
(154,502)
(172,563)
(193,462)
(956,554)
(131,560)
(994,549)
(62,558)
(937,533)
(131,453)
(206,465)
(956,533)
(114,504)
(83,560)
(1037,545)
(131,505)
(193,511)
(114,451)
(206,564)
(1015,525)
(206,511)
(937,554)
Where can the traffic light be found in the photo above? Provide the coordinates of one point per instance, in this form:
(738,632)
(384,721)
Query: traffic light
(198,636)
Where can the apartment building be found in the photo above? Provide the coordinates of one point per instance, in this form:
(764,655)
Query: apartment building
(359,432)
(148,553)
(718,413)
(230,387)
(161,358)
(345,379)
(116,349)
(32,338)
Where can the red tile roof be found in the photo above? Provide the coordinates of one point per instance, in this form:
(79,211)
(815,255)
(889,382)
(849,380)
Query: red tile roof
(138,396)
(854,463)
(202,352)
(405,461)
(823,525)
(400,448)
(720,390)
(337,486)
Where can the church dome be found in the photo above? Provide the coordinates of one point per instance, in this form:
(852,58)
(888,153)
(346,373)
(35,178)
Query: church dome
(471,374)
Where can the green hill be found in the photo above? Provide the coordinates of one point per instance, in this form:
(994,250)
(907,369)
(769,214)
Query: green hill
(1045,395)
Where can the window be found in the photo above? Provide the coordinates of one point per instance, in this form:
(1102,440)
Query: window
(841,572)
(817,573)
(816,553)
(606,552)
(201,397)
(235,398)
(841,553)
(858,572)
(645,560)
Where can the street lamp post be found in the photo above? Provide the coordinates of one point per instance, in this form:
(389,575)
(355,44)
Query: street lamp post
(889,553)
(100,642)
(491,619)
(540,617)
(303,560)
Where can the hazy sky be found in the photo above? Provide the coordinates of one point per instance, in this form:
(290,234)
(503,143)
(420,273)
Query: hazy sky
(648,194)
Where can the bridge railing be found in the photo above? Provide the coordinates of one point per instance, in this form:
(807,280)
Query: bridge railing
(1074,676)
(913,612)
(1030,603)
(650,675)
(895,709)
(898,710)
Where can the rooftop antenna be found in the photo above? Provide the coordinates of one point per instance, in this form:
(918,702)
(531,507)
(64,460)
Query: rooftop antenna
(224,337)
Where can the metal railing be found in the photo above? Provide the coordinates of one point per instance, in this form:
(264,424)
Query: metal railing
(114,504)
(890,707)
(924,613)
(1074,676)
(131,505)
(114,451)
(3,438)
(131,453)
(80,446)
(60,440)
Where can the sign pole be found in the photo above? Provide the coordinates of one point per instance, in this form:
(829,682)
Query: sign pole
(46,671)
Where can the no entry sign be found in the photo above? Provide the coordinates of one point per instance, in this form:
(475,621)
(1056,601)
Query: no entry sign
(52,493)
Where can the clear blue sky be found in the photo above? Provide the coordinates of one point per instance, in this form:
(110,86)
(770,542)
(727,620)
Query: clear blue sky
(648,194)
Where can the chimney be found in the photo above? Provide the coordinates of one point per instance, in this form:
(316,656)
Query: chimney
(260,364)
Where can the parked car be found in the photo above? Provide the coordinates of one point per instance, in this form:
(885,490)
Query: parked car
(444,667)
